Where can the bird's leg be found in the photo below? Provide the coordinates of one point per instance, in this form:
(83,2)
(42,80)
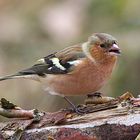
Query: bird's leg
(68,101)
(75,108)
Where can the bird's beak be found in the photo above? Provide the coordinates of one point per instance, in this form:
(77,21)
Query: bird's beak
(115,50)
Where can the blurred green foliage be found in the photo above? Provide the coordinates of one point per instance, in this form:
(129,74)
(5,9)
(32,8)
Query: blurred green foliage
(32,29)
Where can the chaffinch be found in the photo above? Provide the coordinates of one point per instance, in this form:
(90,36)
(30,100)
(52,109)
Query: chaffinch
(77,70)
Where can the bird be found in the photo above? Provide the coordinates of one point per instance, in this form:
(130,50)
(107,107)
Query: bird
(80,69)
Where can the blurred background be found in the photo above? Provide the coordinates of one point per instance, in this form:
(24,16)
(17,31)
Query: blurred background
(32,29)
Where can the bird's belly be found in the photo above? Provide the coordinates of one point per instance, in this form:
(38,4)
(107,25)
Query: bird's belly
(73,84)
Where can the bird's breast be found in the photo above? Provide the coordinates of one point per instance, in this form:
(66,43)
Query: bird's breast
(86,78)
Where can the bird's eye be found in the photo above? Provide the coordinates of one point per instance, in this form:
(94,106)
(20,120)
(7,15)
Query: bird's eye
(103,46)
(114,42)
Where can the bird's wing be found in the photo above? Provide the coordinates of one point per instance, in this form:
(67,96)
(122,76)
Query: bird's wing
(70,53)
(61,62)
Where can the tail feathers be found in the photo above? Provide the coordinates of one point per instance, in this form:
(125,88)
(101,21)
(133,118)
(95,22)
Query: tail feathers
(30,73)
(14,76)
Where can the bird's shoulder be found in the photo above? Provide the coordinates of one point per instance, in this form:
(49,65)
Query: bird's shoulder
(71,53)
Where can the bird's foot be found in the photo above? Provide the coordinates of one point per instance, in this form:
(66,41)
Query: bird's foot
(77,109)
(81,109)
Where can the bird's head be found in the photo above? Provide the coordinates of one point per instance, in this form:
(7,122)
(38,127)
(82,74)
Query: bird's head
(102,45)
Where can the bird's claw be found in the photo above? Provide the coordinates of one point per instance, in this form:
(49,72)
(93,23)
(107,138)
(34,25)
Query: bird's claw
(81,109)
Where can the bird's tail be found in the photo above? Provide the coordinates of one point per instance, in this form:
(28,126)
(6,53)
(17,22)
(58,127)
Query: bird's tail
(14,76)
(18,76)
(32,73)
